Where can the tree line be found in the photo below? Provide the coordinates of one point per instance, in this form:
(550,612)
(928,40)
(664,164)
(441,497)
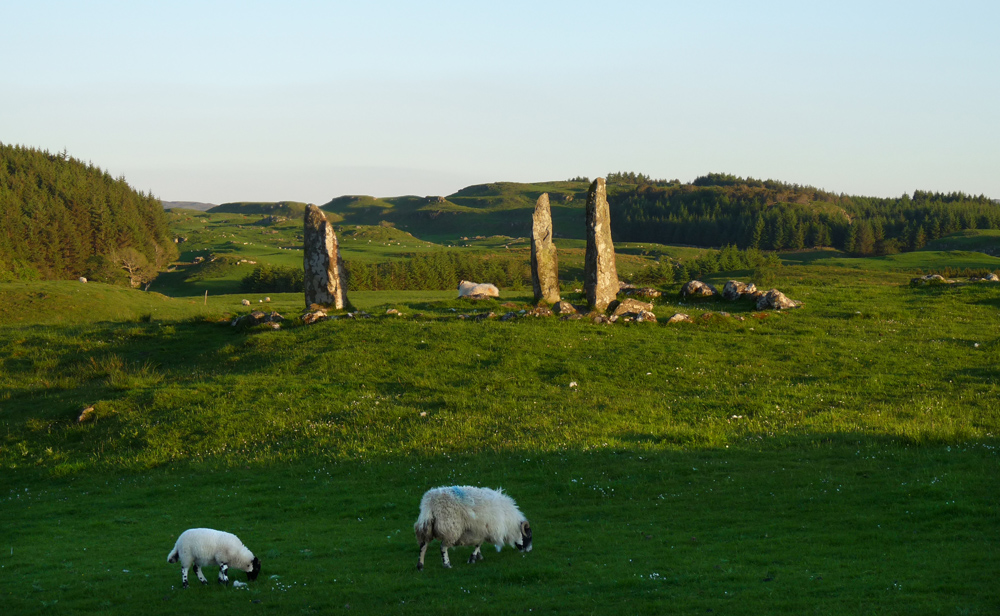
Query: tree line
(721,209)
(61,217)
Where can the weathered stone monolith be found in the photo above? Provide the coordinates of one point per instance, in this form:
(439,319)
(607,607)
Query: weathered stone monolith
(600,275)
(325,277)
(544,261)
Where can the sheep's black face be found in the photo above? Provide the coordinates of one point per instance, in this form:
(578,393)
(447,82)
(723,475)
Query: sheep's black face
(525,544)
(254,569)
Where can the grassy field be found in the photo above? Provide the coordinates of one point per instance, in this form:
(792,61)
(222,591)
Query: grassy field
(836,459)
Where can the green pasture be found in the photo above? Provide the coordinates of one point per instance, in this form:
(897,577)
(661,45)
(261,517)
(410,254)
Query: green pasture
(840,458)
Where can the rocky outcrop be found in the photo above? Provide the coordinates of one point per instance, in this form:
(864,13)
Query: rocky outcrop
(776,300)
(697,288)
(600,274)
(734,290)
(544,261)
(325,276)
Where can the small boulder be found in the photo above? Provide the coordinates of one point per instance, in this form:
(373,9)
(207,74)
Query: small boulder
(314,317)
(929,280)
(83,280)
(734,290)
(256,318)
(680,317)
(564,307)
(540,311)
(697,288)
(776,300)
(632,308)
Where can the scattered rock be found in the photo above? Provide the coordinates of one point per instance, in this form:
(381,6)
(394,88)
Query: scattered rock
(539,311)
(571,317)
(991,277)
(930,279)
(245,302)
(509,316)
(484,315)
(564,308)
(680,317)
(394,311)
(325,276)
(256,318)
(544,261)
(631,309)
(776,300)
(600,318)
(629,289)
(697,288)
(734,290)
(600,274)
(314,317)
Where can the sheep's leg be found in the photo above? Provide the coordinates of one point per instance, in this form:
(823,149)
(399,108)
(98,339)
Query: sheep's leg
(444,556)
(223,578)
(184,576)
(420,561)
(476,555)
(201,576)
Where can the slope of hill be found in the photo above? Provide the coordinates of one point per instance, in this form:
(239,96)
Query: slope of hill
(187,205)
(281,208)
(61,217)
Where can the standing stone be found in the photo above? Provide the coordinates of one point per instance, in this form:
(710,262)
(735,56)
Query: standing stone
(600,275)
(544,261)
(325,277)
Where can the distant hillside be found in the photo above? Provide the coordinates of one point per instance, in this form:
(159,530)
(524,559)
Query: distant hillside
(500,208)
(61,217)
(280,208)
(188,205)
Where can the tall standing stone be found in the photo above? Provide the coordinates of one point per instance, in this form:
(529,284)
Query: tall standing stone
(600,275)
(544,261)
(325,277)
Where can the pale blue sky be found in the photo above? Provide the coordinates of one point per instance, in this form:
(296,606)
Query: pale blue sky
(226,101)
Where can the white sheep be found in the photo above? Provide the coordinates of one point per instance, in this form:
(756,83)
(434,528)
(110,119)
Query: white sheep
(465,515)
(204,547)
(477,289)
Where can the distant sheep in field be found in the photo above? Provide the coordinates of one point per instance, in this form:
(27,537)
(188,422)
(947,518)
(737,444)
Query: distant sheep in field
(204,547)
(245,302)
(465,515)
(477,290)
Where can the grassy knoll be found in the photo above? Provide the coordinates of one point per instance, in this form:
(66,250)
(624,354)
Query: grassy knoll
(840,458)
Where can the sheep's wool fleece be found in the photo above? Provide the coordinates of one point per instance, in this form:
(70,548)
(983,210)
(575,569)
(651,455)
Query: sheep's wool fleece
(467,515)
(466,288)
(207,547)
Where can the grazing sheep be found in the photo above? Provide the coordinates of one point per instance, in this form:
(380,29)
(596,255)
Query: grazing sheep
(477,290)
(203,547)
(465,515)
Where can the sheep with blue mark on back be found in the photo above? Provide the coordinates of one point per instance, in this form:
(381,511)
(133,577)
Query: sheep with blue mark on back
(205,547)
(466,515)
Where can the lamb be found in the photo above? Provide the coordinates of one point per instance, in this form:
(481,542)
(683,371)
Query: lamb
(466,515)
(477,290)
(203,547)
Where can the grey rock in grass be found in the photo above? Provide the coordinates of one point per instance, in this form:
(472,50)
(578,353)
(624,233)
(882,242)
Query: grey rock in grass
(564,308)
(680,317)
(325,276)
(629,289)
(544,261)
(632,307)
(258,317)
(776,300)
(697,288)
(991,277)
(734,290)
(930,279)
(600,274)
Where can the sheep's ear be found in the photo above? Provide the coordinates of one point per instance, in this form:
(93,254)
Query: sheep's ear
(525,529)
